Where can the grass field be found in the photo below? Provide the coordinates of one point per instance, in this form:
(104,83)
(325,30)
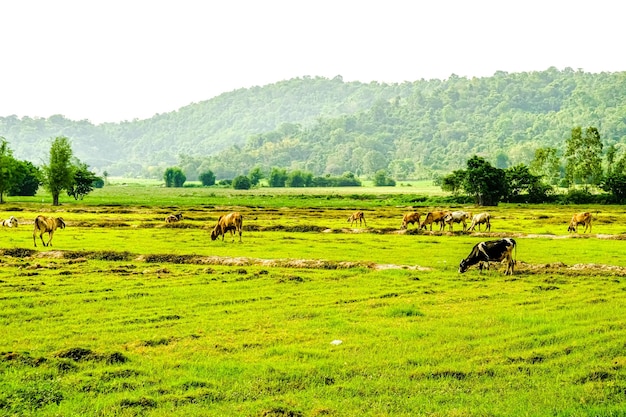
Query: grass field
(127,316)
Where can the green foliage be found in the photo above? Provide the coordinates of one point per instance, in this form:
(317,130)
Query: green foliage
(174,177)
(241,182)
(484,182)
(584,157)
(207,178)
(84,181)
(256,175)
(7,168)
(278,177)
(615,183)
(348,179)
(298,178)
(28,179)
(328,126)
(520,181)
(546,164)
(59,172)
(453,182)
(98,182)
(382,179)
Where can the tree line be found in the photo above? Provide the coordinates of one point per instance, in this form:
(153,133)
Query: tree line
(411,130)
(63,172)
(580,168)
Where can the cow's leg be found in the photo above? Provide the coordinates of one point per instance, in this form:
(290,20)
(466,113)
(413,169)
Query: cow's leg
(50,238)
(240,235)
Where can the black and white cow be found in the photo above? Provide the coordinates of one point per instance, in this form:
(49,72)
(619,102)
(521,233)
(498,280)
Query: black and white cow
(491,251)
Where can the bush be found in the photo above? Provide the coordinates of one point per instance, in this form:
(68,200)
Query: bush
(207,178)
(174,177)
(381,179)
(241,183)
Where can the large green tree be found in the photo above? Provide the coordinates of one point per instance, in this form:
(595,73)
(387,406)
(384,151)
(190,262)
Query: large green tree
(487,184)
(28,178)
(7,168)
(584,157)
(59,172)
(546,163)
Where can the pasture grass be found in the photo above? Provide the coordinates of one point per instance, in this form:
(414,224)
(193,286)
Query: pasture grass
(125,315)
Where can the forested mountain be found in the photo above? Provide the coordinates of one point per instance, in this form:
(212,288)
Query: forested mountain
(328,126)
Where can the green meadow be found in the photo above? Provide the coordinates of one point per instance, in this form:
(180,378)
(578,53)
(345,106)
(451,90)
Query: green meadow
(125,315)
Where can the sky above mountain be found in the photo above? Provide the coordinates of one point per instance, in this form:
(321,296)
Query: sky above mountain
(116,60)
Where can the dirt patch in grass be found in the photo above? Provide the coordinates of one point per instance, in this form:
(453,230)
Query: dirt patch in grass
(22,358)
(574,270)
(79,354)
(18,252)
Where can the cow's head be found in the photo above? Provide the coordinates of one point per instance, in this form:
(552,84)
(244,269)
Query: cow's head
(60,223)
(214,234)
(463,266)
(572,227)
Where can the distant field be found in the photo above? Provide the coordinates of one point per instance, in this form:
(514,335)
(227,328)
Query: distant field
(126,316)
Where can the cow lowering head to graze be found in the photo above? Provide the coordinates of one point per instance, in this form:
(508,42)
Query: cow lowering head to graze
(173,218)
(48,225)
(410,218)
(10,222)
(478,219)
(231,222)
(457,217)
(578,219)
(492,251)
(357,216)
(435,217)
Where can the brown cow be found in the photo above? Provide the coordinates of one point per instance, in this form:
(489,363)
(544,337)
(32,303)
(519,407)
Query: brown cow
(173,218)
(10,222)
(357,216)
(435,217)
(578,219)
(48,225)
(478,219)
(232,222)
(410,218)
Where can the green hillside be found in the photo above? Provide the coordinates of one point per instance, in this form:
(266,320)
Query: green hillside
(328,126)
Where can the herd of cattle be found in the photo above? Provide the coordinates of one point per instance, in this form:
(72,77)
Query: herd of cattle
(482,253)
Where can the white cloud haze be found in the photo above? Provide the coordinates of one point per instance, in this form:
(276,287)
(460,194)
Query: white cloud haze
(121,60)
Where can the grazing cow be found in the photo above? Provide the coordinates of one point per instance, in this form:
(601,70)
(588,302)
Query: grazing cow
(410,218)
(173,218)
(457,217)
(478,219)
(435,217)
(232,222)
(491,251)
(357,216)
(10,222)
(580,218)
(48,225)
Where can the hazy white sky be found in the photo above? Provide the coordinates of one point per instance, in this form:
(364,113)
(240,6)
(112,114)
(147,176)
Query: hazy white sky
(119,60)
